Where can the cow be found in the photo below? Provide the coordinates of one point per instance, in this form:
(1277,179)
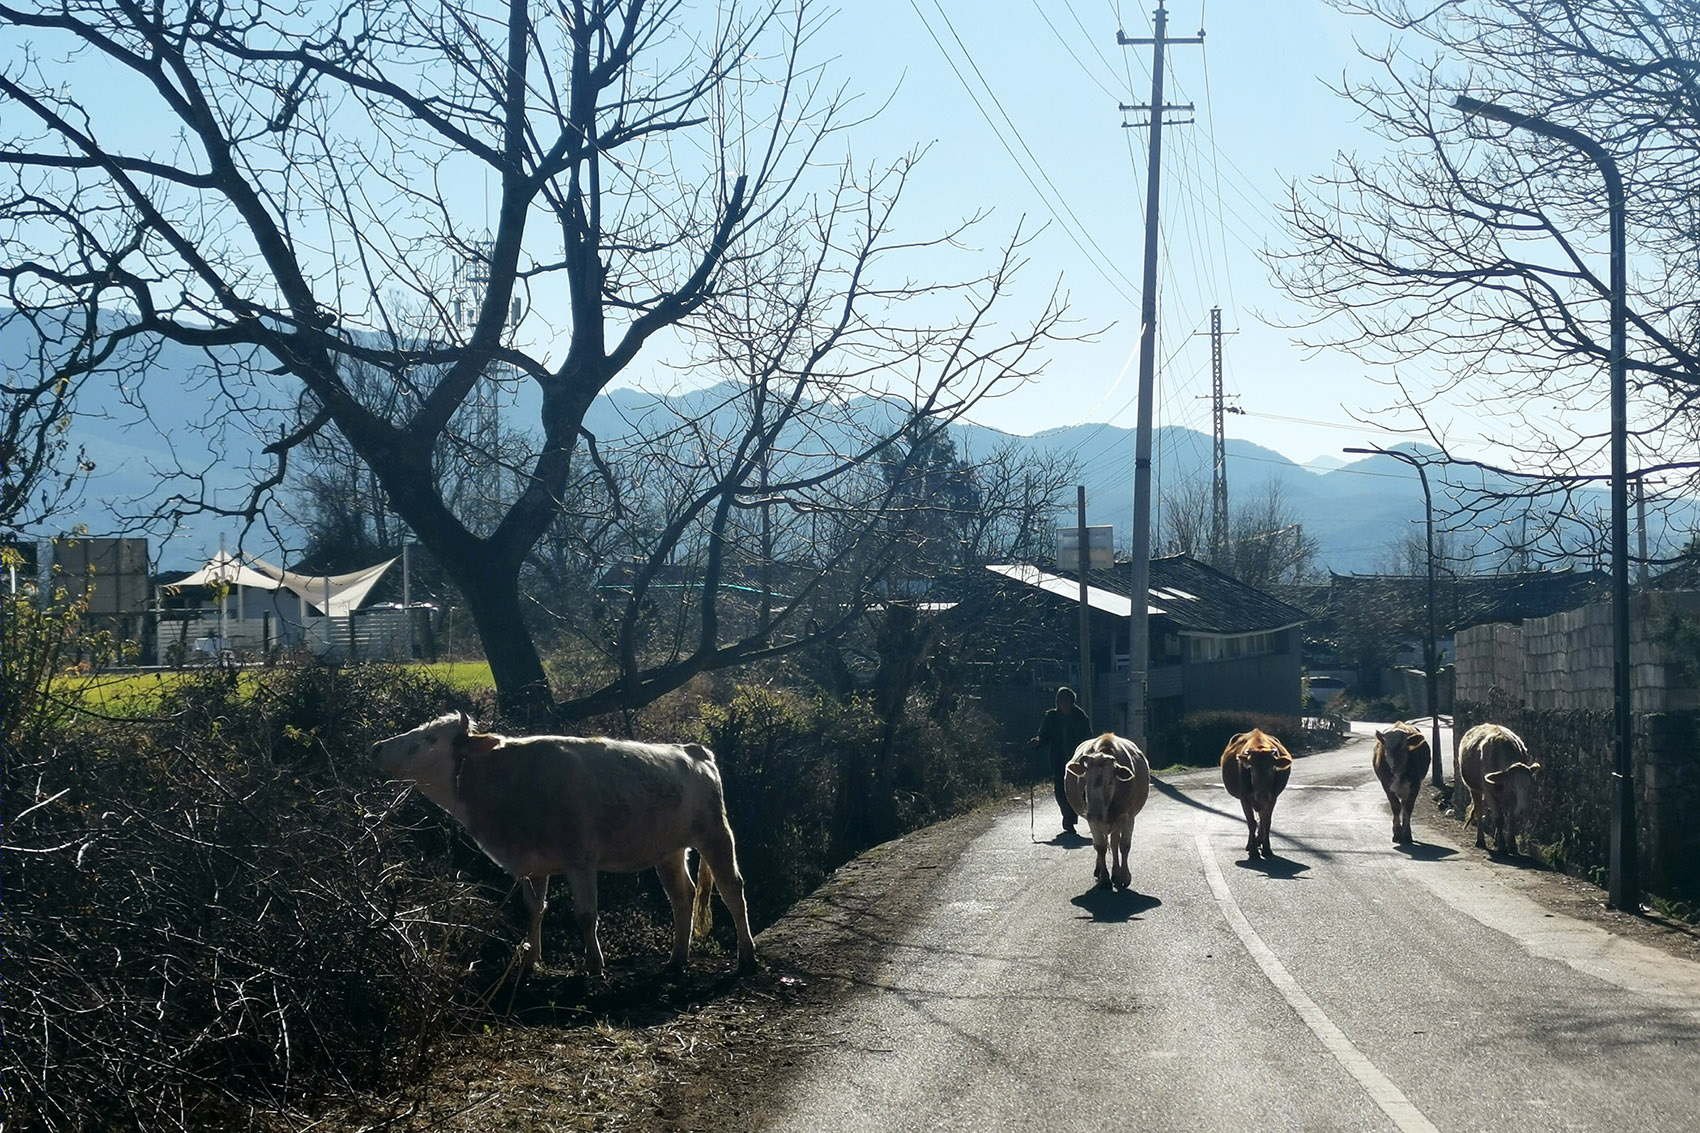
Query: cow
(1493,762)
(1108,780)
(542,805)
(1401,760)
(1255,766)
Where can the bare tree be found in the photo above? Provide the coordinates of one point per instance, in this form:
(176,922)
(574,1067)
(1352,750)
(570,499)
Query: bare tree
(1266,546)
(1470,260)
(654,187)
(39,473)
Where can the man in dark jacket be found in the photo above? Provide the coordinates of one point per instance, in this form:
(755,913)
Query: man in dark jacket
(1064,728)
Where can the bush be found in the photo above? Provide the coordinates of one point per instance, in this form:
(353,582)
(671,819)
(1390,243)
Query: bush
(216,909)
(1197,739)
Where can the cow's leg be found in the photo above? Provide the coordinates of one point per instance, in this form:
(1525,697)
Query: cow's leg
(1476,804)
(535,892)
(583,882)
(1121,876)
(676,879)
(1250,809)
(720,852)
(1392,791)
(1101,871)
(1264,814)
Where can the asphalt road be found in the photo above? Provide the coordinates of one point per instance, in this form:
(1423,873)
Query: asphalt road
(1346,984)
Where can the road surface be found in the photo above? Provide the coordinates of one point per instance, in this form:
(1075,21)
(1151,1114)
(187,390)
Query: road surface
(1346,984)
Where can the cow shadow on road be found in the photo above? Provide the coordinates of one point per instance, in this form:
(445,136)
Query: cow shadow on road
(1282,869)
(1105,904)
(1424,852)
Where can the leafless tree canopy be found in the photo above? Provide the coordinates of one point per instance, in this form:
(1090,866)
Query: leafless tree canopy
(1265,544)
(459,198)
(1471,259)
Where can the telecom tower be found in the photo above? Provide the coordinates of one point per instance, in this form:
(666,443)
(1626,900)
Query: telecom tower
(472,286)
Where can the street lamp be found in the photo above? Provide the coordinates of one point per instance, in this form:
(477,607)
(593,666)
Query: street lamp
(1624,888)
(1431,657)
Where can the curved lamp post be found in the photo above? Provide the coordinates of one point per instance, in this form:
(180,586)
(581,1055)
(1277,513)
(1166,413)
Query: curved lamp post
(1431,658)
(1624,883)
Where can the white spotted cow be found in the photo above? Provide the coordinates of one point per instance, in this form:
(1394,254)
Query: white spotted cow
(1494,764)
(1107,782)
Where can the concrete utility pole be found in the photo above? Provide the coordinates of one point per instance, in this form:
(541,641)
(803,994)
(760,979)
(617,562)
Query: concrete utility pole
(1084,563)
(1139,646)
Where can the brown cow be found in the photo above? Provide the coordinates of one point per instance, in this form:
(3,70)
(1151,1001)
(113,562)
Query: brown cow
(1255,767)
(1494,764)
(542,805)
(1108,781)
(1401,760)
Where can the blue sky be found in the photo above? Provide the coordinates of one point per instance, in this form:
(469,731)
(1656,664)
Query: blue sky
(1017,101)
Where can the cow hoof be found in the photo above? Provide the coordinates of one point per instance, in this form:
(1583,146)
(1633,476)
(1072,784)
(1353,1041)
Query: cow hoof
(748,966)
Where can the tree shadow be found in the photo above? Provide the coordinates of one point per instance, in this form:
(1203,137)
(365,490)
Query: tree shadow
(1104,904)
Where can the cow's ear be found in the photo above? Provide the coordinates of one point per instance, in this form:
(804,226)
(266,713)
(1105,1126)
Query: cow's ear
(1124,773)
(1076,766)
(480,743)
(1380,736)
(1283,761)
(1534,768)
(1491,778)
(465,722)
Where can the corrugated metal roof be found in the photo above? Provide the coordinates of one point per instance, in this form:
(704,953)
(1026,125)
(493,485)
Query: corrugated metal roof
(1194,596)
(1104,601)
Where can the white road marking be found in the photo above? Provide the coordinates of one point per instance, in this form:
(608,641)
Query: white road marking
(1381,1090)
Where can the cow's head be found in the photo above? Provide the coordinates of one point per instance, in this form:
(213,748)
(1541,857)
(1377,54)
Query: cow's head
(431,754)
(1513,789)
(1261,758)
(1100,773)
(1402,746)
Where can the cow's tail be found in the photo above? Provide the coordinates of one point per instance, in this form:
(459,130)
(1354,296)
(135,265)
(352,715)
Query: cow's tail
(702,912)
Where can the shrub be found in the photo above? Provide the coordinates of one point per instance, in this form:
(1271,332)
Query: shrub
(1198,738)
(216,909)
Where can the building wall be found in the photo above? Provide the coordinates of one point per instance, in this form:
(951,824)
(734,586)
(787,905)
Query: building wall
(111,573)
(1270,682)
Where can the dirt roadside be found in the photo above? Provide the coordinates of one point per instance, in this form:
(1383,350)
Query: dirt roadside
(704,1054)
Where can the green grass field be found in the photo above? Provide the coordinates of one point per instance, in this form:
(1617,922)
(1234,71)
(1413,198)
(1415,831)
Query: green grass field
(132,695)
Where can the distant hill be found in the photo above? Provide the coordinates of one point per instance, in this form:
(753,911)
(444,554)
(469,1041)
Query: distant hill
(1356,511)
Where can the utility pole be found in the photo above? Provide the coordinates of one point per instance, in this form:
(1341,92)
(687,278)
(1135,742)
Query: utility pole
(1139,628)
(1082,535)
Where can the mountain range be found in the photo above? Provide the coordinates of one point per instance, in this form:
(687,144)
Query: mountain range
(1357,513)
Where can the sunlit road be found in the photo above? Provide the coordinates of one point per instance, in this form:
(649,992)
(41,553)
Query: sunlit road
(1347,984)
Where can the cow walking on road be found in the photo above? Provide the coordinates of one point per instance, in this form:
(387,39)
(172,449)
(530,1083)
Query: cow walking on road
(542,805)
(1108,781)
(1401,759)
(1493,762)
(1255,767)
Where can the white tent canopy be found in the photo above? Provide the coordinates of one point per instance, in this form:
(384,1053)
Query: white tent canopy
(335,594)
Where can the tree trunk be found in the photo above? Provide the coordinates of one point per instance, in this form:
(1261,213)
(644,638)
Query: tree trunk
(522,688)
